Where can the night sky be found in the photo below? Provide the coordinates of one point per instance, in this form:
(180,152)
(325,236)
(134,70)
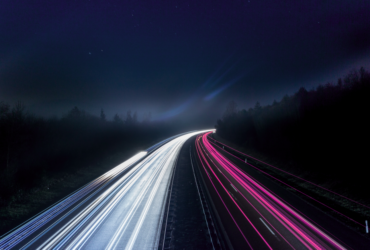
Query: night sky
(184,59)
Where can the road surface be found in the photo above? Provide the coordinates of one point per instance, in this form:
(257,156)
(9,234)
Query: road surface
(256,217)
(121,209)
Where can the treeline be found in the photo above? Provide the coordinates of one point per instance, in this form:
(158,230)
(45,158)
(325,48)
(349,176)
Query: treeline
(32,147)
(324,131)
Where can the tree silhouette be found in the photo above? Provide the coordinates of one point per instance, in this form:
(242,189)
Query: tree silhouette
(134,118)
(257,107)
(102,115)
(129,119)
(231,109)
(117,119)
(327,123)
(33,149)
(74,113)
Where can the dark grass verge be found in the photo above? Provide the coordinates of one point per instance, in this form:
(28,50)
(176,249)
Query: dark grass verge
(348,208)
(53,187)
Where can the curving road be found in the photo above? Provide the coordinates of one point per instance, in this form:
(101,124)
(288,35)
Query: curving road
(122,209)
(125,208)
(256,217)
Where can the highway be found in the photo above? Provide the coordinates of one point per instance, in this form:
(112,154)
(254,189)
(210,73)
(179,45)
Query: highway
(123,208)
(255,217)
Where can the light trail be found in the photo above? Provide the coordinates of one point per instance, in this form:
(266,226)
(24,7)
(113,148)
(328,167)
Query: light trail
(232,217)
(37,222)
(237,224)
(286,172)
(298,232)
(121,209)
(310,197)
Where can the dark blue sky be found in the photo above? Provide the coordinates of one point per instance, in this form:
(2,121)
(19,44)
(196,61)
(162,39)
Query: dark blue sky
(174,58)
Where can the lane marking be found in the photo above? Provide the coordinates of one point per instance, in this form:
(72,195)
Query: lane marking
(233,187)
(267,226)
(201,202)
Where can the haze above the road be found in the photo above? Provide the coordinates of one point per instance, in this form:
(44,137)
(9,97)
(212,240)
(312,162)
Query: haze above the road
(182,59)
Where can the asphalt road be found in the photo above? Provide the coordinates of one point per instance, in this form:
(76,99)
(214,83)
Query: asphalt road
(122,209)
(258,214)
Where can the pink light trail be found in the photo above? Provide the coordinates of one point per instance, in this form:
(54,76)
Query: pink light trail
(307,233)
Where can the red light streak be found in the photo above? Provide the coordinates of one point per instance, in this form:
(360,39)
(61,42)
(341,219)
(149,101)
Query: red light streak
(291,174)
(290,219)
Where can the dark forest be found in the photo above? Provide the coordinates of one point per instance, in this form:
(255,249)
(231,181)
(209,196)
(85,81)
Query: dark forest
(33,148)
(322,133)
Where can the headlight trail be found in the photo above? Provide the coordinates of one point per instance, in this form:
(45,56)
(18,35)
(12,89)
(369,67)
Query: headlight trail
(121,209)
(51,213)
(269,216)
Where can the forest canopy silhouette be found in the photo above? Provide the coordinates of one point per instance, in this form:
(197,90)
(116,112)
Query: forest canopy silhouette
(33,148)
(324,132)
